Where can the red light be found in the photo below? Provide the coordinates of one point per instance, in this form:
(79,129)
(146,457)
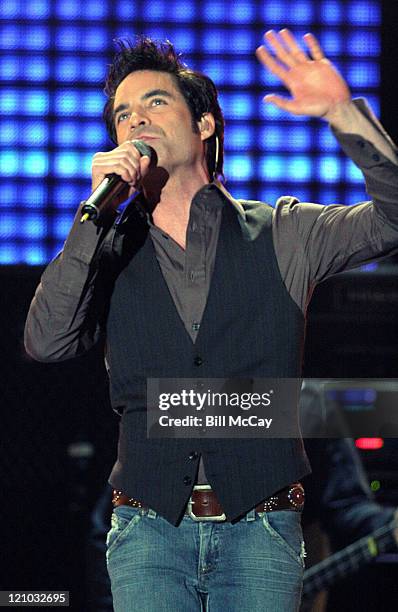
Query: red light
(369,443)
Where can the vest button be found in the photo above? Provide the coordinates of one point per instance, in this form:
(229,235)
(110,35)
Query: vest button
(187,480)
(198,361)
(193,455)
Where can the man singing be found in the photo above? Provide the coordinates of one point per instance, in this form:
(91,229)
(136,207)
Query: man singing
(190,283)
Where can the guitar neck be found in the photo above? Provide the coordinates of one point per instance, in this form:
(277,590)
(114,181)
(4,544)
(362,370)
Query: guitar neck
(348,561)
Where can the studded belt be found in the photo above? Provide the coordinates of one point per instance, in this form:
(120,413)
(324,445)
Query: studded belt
(203,504)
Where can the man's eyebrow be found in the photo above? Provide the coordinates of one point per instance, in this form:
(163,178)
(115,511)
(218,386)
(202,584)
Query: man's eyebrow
(157,92)
(149,94)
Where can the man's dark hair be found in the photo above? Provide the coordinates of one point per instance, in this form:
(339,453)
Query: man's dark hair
(198,90)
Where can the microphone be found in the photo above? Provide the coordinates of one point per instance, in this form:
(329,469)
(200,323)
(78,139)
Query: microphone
(110,187)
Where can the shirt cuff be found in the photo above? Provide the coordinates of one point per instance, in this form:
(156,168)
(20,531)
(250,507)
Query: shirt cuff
(84,238)
(363,137)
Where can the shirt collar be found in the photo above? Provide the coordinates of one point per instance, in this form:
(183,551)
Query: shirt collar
(216,184)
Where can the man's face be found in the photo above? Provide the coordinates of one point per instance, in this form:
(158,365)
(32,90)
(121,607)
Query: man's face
(148,106)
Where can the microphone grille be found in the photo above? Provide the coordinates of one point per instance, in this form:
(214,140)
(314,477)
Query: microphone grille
(142,147)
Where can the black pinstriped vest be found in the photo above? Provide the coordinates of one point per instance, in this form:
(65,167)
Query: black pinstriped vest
(251,327)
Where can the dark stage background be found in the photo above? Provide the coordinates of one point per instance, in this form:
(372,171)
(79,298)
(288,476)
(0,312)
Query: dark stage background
(58,432)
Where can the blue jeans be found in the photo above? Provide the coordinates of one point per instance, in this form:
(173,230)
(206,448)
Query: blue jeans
(253,565)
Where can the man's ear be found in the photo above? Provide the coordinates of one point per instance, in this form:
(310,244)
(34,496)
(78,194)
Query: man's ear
(206,125)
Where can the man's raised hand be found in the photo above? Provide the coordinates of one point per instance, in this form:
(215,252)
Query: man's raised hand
(316,86)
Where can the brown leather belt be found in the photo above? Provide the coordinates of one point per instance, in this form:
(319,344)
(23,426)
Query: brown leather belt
(203,504)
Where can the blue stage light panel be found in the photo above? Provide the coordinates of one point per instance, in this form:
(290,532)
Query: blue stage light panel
(181,10)
(241,73)
(66,164)
(8,193)
(93,134)
(68,9)
(242,193)
(363,43)
(239,137)
(239,167)
(94,39)
(241,41)
(36,69)
(36,38)
(34,163)
(242,12)
(237,41)
(62,225)
(267,79)
(328,195)
(331,12)
(126,10)
(9,162)
(301,12)
(301,193)
(298,169)
(298,138)
(33,226)
(35,102)
(37,9)
(184,39)
(67,196)
(272,167)
(329,169)
(270,195)
(9,223)
(68,68)
(155,11)
(214,41)
(68,38)
(156,32)
(9,101)
(236,105)
(273,12)
(363,74)
(72,102)
(69,164)
(276,13)
(213,11)
(271,138)
(9,36)
(10,68)
(355,196)
(86,164)
(332,42)
(270,112)
(9,254)
(10,133)
(34,255)
(365,13)
(352,172)
(94,70)
(215,69)
(66,133)
(92,9)
(326,139)
(33,195)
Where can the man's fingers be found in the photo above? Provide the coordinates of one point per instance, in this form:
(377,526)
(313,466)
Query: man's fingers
(292,45)
(314,47)
(281,102)
(272,65)
(276,42)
